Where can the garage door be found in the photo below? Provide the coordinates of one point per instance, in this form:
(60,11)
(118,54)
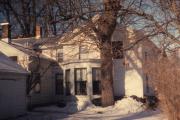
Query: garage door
(12,98)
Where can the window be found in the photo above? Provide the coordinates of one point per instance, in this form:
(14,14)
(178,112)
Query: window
(68,83)
(117,48)
(145,55)
(59,84)
(14,58)
(83,51)
(147,83)
(80,81)
(96,77)
(59,55)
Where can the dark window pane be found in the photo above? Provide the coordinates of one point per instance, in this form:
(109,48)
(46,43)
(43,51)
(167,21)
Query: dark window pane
(96,87)
(147,83)
(59,84)
(80,88)
(96,77)
(68,84)
(14,58)
(80,81)
(145,55)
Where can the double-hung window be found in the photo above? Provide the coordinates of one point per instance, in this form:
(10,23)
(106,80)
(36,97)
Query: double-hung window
(96,77)
(68,83)
(80,81)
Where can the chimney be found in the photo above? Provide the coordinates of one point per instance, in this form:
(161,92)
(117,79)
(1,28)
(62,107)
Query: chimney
(6,34)
(38,32)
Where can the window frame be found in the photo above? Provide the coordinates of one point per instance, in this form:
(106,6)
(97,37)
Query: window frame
(82,84)
(59,55)
(83,51)
(68,82)
(96,82)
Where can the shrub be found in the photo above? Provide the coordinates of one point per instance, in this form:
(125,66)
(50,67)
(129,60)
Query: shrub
(165,74)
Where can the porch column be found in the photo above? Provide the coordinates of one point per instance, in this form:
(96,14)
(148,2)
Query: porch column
(89,82)
(72,82)
(64,81)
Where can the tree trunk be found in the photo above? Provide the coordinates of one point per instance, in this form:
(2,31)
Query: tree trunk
(106,75)
(104,30)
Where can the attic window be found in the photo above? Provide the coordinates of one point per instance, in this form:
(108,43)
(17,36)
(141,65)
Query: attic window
(14,58)
(145,55)
(59,55)
(83,51)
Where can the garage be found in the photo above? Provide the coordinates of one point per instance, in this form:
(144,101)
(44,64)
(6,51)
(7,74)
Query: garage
(12,88)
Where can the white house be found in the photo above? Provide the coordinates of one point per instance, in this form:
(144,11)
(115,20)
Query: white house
(79,57)
(78,54)
(13,78)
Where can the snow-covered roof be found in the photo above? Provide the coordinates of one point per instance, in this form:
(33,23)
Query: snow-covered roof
(7,65)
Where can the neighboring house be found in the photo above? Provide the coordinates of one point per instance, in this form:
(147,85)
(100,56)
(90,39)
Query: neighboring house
(13,78)
(44,83)
(79,56)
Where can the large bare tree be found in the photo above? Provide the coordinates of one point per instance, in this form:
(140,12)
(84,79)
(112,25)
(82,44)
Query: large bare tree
(104,30)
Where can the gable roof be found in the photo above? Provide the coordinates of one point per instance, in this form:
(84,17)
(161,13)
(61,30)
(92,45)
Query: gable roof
(7,65)
(26,50)
(84,29)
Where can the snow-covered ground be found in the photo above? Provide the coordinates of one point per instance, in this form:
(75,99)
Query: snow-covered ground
(125,109)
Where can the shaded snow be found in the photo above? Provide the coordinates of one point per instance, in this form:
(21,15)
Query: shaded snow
(71,107)
(125,109)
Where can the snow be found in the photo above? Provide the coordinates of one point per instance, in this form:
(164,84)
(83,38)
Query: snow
(71,107)
(129,105)
(125,109)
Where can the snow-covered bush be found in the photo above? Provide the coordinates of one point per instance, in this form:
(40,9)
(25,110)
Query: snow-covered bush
(129,105)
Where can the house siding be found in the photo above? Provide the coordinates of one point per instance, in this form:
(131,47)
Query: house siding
(128,71)
(47,94)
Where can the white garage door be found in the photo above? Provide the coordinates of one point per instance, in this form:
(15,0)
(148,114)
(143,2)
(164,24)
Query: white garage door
(12,98)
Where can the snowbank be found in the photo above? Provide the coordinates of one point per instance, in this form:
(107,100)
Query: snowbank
(126,106)
(71,107)
(123,107)
(77,106)
(129,105)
